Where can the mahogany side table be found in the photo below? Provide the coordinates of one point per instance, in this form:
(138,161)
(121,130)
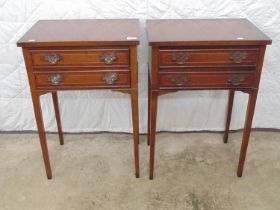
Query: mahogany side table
(65,55)
(205,54)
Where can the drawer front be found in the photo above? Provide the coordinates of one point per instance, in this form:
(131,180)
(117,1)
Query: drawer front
(207,57)
(83,57)
(207,80)
(69,80)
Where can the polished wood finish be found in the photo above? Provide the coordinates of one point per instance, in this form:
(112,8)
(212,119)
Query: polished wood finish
(205,54)
(57,117)
(134,102)
(149,108)
(205,32)
(81,79)
(41,132)
(247,130)
(204,80)
(229,112)
(77,33)
(152,134)
(78,55)
(206,57)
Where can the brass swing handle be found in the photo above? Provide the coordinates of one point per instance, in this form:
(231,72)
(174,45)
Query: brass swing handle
(236,79)
(238,56)
(179,80)
(108,58)
(110,78)
(181,57)
(52,58)
(55,79)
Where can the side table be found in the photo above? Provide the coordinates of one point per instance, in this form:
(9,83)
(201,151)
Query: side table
(205,54)
(65,55)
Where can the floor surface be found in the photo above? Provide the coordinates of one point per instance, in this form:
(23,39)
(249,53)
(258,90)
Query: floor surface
(193,171)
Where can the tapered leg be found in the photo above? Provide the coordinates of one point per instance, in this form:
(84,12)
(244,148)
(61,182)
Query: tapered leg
(247,130)
(135,122)
(41,132)
(229,111)
(149,111)
(57,116)
(153,119)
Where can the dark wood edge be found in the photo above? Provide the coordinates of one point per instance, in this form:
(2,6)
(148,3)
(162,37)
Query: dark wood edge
(77,49)
(206,88)
(168,91)
(175,71)
(78,44)
(86,87)
(68,68)
(211,43)
(119,89)
(160,93)
(164,67)
(58,70)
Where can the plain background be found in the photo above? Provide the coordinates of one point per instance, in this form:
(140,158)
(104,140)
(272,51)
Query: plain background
(110,111)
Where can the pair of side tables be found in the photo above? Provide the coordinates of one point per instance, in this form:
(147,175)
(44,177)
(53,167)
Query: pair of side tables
(185,54)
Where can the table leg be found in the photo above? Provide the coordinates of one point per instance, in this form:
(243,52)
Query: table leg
(135,122)
(149,112)
(247,130)
(57,116)
(41,132)
(229,111)
(153,119)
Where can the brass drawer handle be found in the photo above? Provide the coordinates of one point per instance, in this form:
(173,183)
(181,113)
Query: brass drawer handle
(55,79)
(181,58)
(108,58)
(179,80)
(52,58)
(110,78)
(238,56)
(236,79)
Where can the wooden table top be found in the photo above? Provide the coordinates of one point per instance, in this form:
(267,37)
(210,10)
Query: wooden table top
(82,33)
(198,32)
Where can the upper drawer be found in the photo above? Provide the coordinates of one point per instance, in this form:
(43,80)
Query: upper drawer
(80,57)
(207,57)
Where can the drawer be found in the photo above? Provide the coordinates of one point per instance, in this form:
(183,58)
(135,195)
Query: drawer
(80,57)
(207,80)
(207,57)
(70,80)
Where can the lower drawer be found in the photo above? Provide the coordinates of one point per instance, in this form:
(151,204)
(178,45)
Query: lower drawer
(195,80)
(90,79)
